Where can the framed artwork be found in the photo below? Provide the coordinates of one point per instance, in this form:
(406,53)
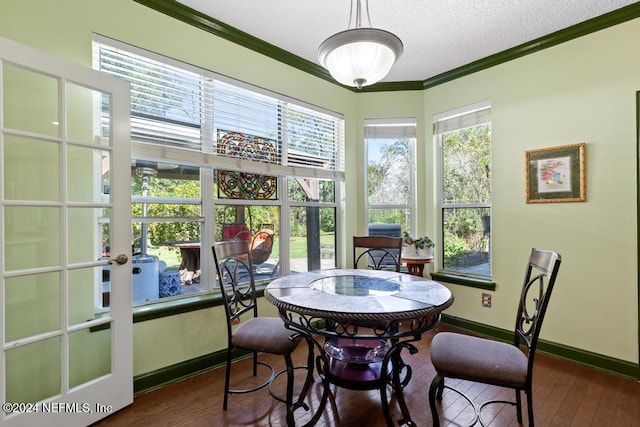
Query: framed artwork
(556,174)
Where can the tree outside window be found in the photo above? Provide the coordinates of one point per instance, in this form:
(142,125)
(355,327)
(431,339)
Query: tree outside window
(466,199)
(390,172)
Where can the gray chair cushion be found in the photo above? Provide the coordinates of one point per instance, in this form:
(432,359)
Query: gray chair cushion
(265,334)
(478,359)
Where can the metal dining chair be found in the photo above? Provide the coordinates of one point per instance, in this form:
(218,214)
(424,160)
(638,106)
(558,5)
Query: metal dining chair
(502,364)
(256,334)
(377,252)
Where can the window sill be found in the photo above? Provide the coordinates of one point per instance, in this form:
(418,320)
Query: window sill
(472,282)
(181,305)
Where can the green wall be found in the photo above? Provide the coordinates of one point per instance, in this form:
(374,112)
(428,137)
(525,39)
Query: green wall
(580,91)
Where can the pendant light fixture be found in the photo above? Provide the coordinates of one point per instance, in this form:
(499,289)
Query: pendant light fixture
(360,56)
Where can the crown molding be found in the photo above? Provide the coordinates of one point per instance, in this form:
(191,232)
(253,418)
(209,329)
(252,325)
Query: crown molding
(206,23)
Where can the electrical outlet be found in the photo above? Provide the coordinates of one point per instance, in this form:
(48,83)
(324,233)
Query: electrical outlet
(486,300)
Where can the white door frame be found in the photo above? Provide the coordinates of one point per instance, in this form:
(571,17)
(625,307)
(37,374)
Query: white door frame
(86,403)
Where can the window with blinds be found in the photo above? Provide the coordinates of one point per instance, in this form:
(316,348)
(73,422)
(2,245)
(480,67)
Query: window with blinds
(390,173)
(177,104)
(464,145)
(211,155)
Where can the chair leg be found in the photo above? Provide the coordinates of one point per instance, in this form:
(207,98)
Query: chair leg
(227,378)
(440,388)
(255,363)
(530,407)
(435,393)
(519,405)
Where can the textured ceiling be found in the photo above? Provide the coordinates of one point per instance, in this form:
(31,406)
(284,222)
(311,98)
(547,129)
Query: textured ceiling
(438,35)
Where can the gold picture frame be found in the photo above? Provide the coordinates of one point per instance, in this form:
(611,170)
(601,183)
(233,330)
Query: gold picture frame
(556,174)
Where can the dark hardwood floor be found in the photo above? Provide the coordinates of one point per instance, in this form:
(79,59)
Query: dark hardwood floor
(565,394)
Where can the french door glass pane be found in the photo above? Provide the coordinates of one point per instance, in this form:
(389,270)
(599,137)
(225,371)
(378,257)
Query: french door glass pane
(30,101)
(85,294)
(33,371)
(88,179)
(82,106)
(89,354)
(32,237)
(32,161)
(83,247)
(32,305)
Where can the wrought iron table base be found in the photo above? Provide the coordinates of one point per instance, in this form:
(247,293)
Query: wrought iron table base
(392,370)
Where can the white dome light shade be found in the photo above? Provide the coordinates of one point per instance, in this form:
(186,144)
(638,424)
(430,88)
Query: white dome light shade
(361,56)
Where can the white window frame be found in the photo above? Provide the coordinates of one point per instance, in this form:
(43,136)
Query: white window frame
(202,155)
(450,121)
(389,129)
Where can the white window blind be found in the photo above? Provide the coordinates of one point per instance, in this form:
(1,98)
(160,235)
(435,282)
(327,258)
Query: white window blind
(462,118)
(165,101)
(390,128)
(181,105)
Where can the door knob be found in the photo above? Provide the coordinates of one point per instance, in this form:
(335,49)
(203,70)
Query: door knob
(119,259)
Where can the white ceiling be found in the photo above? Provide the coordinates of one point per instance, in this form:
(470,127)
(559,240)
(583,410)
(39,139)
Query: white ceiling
(438,35)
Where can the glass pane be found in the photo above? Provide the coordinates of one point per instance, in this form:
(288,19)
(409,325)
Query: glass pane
(311,189)
(33,371)
(87,288)
(31,169)
(32,237)
(389,169)
(169,265)
(89,354)
(30,101)
(88,174)
(391,216)
(466,237)
(466,165)
(32,305)
(258,225)
(83,246)
(169,210)
(155,179)
(312,241)
(83,107)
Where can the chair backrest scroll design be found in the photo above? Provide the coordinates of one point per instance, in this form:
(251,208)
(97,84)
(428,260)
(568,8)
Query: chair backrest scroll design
(235,278)
(539,281)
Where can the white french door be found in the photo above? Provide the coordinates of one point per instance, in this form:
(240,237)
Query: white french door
(65,191)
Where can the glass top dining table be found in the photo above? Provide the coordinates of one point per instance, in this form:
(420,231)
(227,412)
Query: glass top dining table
(348,295)
(370,316)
